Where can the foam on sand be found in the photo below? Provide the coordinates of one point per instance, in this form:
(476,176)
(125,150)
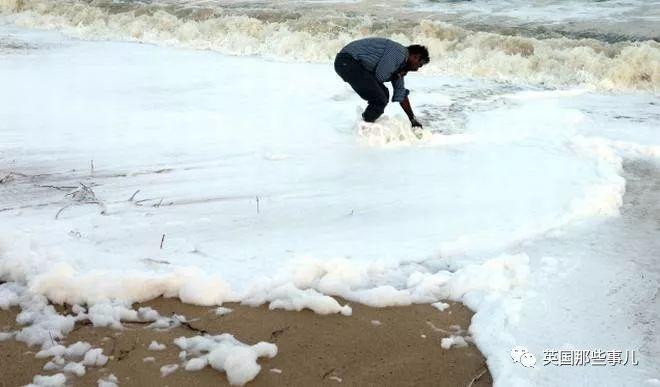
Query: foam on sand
(217,220)
(225,354)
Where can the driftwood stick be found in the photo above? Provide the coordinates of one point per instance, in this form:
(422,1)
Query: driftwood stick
(62,209)
(477,377)
(133,196)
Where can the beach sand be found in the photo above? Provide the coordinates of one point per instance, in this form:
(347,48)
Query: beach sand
(395,346)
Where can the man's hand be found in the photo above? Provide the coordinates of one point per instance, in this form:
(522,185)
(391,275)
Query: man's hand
(417,128)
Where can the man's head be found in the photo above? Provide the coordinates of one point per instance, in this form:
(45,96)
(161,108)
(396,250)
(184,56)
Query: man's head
(418,56)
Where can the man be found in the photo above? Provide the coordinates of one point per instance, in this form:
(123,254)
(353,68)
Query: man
(367,63)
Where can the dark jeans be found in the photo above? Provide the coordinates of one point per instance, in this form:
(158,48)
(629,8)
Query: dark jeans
(365,84)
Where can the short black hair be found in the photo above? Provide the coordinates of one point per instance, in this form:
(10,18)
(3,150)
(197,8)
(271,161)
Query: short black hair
(421,50)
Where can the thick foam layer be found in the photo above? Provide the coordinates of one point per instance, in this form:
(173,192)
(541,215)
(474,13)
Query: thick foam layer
(217,186)
(307,34)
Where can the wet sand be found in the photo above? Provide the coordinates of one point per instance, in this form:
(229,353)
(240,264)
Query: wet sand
(396,346)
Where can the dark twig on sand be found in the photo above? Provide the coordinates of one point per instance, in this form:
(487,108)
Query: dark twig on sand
(62,209)
(160,203)
(82,195)
(8,177)
(187,325)
(477,377)
(59,188)
(133,196)
(328,373)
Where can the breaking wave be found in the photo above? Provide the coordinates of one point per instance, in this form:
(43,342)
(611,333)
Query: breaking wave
(315,34)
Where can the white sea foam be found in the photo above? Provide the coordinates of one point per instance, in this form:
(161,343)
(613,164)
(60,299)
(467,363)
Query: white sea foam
(168,369)
(226,354)
(95,358)
(415,223)
(308,35)
(156,346)
(453,341)
(108,381)
(75,368)
(49,380)
(222,311)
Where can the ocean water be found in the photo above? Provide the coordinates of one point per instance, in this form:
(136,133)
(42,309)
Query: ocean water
(207,151)
(614,48)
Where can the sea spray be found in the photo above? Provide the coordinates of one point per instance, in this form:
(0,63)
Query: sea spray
(316,35)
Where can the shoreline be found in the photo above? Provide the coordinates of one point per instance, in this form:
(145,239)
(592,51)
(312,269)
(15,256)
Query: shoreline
(384,346)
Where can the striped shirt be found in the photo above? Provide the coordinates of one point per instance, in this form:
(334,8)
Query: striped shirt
(384,58)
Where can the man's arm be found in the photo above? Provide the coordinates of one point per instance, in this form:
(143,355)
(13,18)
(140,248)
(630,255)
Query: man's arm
(401,95)
(405,105)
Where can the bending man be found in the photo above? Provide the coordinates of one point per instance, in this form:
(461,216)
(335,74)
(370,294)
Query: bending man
(367,63)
